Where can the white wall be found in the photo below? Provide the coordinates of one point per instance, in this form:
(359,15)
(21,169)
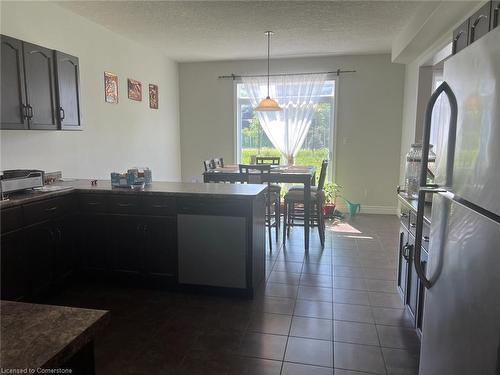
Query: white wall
(368,122)
(115,136)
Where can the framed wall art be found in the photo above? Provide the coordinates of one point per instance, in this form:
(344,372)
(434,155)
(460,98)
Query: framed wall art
(153,96)
(110,88)
(134,90)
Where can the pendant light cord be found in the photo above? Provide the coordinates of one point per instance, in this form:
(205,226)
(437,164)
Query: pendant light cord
(268,54)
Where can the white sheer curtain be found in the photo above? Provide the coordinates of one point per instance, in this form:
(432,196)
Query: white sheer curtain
(298,95)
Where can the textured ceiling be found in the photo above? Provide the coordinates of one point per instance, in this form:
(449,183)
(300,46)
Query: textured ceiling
(227,30)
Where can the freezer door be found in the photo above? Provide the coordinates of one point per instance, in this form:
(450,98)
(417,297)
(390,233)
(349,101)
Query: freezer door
(474,76)
(461,324)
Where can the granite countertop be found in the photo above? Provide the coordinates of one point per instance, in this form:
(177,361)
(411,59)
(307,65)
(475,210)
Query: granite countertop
(412,204)
(178,189)
(35,336)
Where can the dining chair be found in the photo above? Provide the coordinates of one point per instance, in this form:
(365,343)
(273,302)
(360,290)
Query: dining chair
(209,164)
(219,162)
(294,207)
(272,160)
(255,174)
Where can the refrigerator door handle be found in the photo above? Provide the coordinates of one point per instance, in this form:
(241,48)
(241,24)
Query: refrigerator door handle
(424,187)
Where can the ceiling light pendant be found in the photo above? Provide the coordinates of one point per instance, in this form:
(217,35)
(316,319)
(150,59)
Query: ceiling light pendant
(268,104)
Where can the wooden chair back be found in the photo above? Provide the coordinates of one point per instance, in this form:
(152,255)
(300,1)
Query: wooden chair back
(271,160)
(209,164)
(322,174)
(254,173)
(219,162)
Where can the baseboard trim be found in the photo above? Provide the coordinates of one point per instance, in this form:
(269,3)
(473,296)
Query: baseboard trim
(381,210)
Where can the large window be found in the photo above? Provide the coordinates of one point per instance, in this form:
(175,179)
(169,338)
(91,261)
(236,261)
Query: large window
(318,144)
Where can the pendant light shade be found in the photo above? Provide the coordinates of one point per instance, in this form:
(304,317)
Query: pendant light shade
(268,104)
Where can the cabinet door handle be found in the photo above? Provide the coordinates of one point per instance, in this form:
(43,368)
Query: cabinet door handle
(30,111)
(426,238)
(51,234)
(59,233)
(93,203)
(413,225)
(51,209)
(406,251)
(25,111)
(62,114)
(474,25)
(159,206)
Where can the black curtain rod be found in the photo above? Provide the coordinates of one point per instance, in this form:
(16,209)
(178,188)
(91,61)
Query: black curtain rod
(337,72)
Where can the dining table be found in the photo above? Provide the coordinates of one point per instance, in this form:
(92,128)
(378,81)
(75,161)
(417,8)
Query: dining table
(288,174)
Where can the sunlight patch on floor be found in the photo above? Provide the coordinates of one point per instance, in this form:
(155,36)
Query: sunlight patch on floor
(342,227)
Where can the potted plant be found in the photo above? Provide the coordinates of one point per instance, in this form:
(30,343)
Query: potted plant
(331,193)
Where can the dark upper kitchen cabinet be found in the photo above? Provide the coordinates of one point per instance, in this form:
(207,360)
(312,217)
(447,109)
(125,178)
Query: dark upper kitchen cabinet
(40,87)
(68,91)
(14,111)
(495,14)
(461,37)
(479,23)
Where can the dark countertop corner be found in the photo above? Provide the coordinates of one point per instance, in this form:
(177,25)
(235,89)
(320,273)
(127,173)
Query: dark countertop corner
(35,336)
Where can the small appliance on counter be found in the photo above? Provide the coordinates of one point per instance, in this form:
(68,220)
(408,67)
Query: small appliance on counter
(135,178)
(20,179)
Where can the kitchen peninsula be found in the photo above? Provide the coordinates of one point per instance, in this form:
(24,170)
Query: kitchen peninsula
(168,235)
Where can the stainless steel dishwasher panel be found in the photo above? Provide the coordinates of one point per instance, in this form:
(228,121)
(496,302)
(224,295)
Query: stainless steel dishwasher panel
(212,250)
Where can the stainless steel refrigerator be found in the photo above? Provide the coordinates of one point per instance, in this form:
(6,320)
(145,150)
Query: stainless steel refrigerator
(461,321)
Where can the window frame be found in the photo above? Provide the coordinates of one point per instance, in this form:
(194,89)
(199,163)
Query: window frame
(332,152)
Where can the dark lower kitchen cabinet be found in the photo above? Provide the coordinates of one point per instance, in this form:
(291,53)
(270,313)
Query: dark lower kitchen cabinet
(421,293)
(413,281)
(68,91)
(403,263)
(410,288)
(40,87)
(65,260)
(14,266)
(161,249)
(13,100)
(126,254)
(94,244)
(40,250)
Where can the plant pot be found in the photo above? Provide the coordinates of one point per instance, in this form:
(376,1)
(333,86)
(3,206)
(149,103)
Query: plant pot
(329,210)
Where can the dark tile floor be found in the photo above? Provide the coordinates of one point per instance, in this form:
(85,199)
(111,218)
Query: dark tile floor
(334,311)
